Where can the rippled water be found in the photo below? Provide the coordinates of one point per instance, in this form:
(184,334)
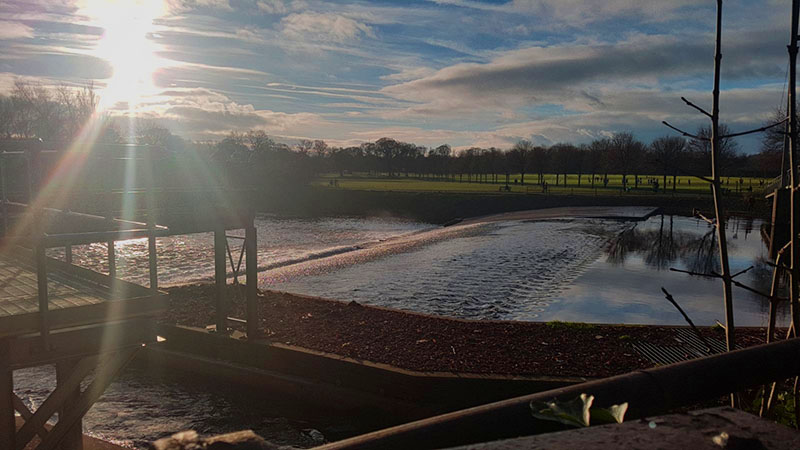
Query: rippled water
(140,406)
(573,270)
(190,258)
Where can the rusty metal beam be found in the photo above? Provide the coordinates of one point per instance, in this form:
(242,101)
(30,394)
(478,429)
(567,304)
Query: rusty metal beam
(648,392)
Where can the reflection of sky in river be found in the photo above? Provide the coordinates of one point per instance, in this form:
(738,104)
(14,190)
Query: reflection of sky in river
(627,287)
(590,271)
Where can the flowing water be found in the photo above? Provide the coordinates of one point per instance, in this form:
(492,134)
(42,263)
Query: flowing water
(571,270)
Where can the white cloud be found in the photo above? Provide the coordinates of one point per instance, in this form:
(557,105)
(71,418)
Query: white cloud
(324,27)
(14,30)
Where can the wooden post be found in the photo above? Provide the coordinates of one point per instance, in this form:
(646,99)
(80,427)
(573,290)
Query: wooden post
(7,421)
(73,438)
(219,278)
(152,255)
(68,254)
(251,249)
(41,284)
(3,185)
(794,289)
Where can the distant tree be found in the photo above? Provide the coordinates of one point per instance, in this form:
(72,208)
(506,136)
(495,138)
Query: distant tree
(668,154)
(521,156)
(627,154)
(701,150)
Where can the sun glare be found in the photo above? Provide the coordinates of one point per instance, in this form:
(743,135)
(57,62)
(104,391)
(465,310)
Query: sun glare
(127,45)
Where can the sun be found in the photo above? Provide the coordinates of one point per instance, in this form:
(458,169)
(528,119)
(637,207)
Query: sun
(128,46)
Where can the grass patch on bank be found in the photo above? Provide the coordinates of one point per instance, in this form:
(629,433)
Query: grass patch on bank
(647,186)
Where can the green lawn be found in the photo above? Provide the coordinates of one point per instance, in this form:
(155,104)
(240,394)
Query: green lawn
(685,185)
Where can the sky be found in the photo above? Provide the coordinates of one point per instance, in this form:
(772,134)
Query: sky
(461,72)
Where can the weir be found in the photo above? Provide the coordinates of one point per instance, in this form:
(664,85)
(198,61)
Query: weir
(90,324)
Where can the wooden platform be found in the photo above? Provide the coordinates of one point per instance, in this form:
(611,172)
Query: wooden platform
(75,297)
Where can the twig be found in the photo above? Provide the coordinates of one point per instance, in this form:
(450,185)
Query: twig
(688,320)
(734,282)
(741,272)
(685,133)
(757,130)
(697,213)
(696,107)
(689,272)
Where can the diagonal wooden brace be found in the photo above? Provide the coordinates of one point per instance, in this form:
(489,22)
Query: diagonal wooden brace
(26,414)
(103,377)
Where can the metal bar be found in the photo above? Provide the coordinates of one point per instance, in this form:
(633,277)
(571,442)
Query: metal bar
(219,279)
(648,392)
(251,289)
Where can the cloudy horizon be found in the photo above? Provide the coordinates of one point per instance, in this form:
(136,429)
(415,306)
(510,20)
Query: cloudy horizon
(462,72)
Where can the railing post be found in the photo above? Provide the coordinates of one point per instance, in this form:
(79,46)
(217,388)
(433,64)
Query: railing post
(41,284)
(68,254)
(220,241)
(7,420)
(3,183)
(151,221)
(251,250)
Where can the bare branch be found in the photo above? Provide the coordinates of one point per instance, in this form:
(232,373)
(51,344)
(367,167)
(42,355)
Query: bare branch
(741,272)
(696,107)
(689,272)
(685,133)
(748,288)
(757,130)
(697,213)
(688,320)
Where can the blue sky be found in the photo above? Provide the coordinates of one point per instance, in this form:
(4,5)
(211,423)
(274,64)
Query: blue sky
(464,72)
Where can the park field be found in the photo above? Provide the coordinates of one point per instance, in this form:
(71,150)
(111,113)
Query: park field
(648,184)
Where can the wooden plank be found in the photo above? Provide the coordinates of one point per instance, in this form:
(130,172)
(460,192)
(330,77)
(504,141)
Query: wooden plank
(80,342)
(108,311)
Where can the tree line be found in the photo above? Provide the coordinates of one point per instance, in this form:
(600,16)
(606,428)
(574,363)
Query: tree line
(58,114)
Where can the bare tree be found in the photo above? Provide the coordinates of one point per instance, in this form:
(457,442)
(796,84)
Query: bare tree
(521,155)
(668,152)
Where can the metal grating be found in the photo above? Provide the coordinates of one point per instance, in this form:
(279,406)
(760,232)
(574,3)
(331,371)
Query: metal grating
(687,346)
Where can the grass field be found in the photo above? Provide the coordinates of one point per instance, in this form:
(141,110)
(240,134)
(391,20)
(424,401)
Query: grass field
(685,185)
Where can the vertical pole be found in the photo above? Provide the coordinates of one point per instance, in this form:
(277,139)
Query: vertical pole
(152,255)
(219,278)
(795,217)
(73,438)
(68,254)
(3,184)
(41,284)
(253,316)
(716,186)
(111,251)
(8,424)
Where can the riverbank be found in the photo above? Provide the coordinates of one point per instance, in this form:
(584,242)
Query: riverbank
(428,343)
(441,207)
